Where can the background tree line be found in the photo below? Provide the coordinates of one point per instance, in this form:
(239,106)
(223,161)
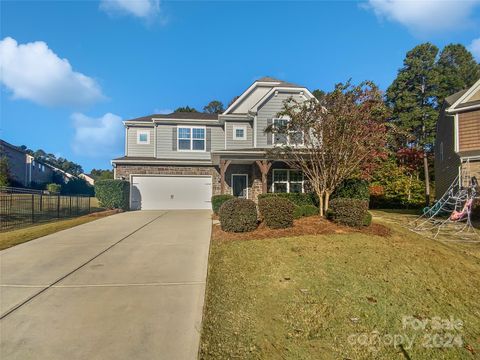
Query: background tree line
(415,99)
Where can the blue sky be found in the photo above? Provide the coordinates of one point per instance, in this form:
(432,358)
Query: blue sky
(72,70)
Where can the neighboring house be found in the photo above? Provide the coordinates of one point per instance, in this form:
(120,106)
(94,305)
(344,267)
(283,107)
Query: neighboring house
(23,168)
(88,178)
(177,161)
(457,145)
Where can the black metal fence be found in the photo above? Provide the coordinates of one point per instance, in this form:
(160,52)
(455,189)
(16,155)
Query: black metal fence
(22,207)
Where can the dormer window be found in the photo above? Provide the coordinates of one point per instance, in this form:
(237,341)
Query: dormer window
(290,137)
(143,137)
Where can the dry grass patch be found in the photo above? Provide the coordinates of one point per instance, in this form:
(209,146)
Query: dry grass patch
(302,297)
(15,237)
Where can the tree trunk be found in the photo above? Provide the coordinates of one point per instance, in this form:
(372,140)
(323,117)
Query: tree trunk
(427,179)
(320,203)
(327,201)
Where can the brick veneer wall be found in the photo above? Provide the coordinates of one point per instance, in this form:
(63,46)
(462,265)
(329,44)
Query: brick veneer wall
(124,171)
(254,175)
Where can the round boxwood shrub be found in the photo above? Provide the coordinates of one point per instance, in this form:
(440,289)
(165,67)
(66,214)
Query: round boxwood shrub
(238,215)
(277,212)
(304,211)
(113,194)
(218,200)
(367,220)
(350,212)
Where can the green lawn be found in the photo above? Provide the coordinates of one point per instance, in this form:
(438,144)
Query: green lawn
(327,296)
(15,237)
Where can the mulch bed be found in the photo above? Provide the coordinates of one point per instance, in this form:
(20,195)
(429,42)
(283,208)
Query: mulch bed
(313,225)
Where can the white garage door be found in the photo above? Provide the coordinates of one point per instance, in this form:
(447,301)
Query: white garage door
(171,192)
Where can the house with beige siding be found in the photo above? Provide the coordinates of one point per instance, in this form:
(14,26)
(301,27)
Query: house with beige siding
(179,160)
(457,145)
(24,169)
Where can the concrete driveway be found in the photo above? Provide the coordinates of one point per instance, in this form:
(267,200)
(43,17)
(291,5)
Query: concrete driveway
(129,286)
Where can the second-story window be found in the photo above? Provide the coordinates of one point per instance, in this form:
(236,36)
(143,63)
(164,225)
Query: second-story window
(143,137)
(239,132)
(191,138)
(290,137)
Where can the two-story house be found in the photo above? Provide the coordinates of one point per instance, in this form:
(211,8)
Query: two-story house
(457,145)
(23,169)
(179,160)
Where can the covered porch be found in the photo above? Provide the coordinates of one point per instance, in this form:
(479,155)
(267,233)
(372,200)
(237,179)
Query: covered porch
(249,173)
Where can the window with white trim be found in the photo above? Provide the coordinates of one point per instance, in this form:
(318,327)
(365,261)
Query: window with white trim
(143,137)
(287,181)
(239,132)
(191,138)
(291,137)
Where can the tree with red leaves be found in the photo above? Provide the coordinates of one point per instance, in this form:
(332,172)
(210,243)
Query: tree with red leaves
(340,135)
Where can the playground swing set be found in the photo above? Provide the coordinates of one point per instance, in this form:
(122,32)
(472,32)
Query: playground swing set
(451,215)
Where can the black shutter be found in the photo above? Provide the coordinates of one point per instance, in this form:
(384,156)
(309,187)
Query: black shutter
(269,133)
(209,140)
(174,138)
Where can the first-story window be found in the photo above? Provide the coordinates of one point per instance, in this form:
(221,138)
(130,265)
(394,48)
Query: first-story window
(143,137)
(191,138)
(288,181)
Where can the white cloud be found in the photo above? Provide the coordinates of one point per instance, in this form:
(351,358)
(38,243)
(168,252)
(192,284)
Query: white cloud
(34,72)
(474,47)
(97,136)
(425,16)
(139,8)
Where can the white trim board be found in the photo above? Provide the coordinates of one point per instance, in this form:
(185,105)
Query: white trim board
(468,94)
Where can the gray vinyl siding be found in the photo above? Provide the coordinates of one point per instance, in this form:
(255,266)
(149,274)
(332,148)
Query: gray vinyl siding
(134,149)
(238,144)
(166,147)
(268,111)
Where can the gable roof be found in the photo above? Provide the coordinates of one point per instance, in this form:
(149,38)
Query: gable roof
(450,100)
(462,101)
(277,82)
(178,115)
(11,146)
(267,82)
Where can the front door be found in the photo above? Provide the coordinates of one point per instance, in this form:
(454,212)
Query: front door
(239,185)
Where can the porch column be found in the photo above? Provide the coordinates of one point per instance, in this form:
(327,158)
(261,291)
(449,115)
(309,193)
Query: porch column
(264,166)
(223,169)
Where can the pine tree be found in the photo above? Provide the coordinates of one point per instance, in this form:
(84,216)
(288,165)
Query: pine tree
(413,99)
(457,70)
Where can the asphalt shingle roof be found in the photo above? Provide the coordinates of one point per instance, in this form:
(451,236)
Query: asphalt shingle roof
(179,115)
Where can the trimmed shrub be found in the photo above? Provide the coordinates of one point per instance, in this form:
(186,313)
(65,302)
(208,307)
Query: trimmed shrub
(304,211)
(298,199)
(352,189)
(113,194)
(350,212)
(218,200)
(277,212)
(54,188)
(77,186)
(367,220)
(238,215)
